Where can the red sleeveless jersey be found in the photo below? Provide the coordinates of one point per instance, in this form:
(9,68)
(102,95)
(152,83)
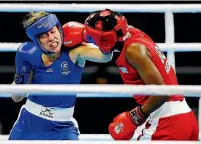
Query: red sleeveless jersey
(131,76)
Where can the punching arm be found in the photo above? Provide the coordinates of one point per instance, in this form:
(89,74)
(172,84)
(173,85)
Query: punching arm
(75,37)
(92,53)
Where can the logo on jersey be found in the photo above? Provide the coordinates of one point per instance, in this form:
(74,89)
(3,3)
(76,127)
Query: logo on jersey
(127,35)
(24,69)
(47,112)
(168,67)
(163,59)
(123,69)
(65,69)
(50,70)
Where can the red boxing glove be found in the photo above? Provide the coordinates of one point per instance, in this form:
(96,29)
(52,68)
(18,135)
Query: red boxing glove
(74,34)
(124,125)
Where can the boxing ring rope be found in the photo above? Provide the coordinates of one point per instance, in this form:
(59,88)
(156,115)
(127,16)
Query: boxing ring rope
(55,7)
(114,90)
(96,142)
(175,47)
(170,46)
(119,90)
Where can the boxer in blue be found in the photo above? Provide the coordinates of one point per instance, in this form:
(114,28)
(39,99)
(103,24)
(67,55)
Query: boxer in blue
(56,55)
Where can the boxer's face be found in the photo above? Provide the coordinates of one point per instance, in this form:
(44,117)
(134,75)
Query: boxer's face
(51,41)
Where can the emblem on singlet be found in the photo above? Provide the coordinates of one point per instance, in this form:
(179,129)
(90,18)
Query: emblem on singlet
(49,70)
(127,35)
(65,68)
(123,69)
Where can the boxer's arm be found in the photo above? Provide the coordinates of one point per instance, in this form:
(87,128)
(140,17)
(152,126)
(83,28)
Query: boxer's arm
(23,66)
(89,51)
(16,97)
(75,34)
(138,57)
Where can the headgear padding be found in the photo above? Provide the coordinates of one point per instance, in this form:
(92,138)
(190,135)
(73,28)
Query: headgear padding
(106,28)
(43,25)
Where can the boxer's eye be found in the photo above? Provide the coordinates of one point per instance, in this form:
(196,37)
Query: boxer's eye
(43,35)
(53,31)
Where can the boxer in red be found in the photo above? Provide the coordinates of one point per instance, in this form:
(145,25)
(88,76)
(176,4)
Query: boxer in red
(141,62)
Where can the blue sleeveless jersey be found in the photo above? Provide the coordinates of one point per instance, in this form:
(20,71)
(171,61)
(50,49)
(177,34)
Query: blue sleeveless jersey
(61,71)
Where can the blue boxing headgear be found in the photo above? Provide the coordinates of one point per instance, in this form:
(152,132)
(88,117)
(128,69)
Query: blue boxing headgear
(43,25)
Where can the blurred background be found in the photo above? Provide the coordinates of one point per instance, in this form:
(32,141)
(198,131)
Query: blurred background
(94,114)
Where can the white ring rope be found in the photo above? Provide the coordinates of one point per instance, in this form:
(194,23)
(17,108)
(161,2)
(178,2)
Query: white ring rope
(103,89)
(92,7)
(177,47)
(97,142)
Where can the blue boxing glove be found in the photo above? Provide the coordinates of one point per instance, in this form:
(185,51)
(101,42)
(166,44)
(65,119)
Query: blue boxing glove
(27,56)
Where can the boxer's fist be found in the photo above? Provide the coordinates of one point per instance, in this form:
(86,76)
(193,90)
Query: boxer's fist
(74,34)
(27,56)
(122,128)
(124,125)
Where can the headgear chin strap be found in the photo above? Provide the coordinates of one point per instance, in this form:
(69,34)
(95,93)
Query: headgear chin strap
(43,25)
(106,39)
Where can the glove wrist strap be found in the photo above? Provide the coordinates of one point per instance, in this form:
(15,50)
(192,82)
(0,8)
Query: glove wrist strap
(137,116)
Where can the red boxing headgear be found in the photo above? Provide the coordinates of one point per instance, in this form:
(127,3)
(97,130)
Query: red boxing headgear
(106,28)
